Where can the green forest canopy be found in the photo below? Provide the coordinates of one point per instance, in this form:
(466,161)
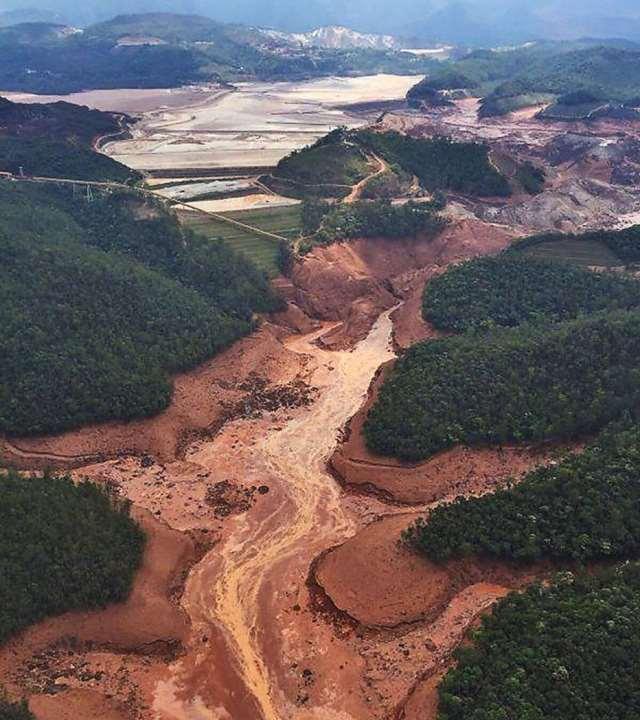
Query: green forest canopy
(522,384)
(440,163)
(329,167)
(57,140)
(54,158)
(568,651)
(326,223)
(537,72)
(13,711)
(584,508)
(511,289)
(100,302)
(62,547)
(56,121)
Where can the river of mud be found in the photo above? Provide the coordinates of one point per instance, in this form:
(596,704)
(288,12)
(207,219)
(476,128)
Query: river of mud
(293,610)
(243,581)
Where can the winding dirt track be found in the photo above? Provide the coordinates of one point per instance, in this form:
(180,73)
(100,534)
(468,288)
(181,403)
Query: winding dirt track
(356,192)
(229,588)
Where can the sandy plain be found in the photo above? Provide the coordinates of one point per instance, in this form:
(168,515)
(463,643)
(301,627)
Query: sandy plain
(209,126)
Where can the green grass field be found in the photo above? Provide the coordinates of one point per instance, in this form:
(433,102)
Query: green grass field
(579,252)
(285,221)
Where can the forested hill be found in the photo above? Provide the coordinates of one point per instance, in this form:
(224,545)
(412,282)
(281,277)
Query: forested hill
(333,164)
(583,77)
(514,288)
(101,301)
(64,546)
(169,50)
(522,384)
(56,140)
(568,650)
(583,508)
(56,121)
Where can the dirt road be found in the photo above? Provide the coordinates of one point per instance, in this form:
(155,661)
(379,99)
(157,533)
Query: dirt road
(357,189)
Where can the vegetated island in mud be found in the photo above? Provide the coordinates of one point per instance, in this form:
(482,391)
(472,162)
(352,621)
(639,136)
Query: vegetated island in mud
(235,468)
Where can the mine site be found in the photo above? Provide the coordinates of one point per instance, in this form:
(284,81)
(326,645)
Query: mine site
(319,398)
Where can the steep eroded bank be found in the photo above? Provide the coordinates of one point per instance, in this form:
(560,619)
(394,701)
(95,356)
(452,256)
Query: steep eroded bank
(250,477)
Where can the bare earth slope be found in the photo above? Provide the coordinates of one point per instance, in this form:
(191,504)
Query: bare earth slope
(301,604)
(249,478)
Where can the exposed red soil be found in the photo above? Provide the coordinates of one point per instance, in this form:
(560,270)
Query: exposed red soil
(77,705)
(412,613)
(380,582)
(355,281)
(200,466)
(409,327)
(56,659)
(460,470)
(200,405)
(423,701)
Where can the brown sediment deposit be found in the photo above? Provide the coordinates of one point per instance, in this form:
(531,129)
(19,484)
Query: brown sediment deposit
(353,282)
(269,591)
(83,662)
(379,581)
(239,462)
(458,471)
(409,327)
(203,400)
(77,704)
(412,611)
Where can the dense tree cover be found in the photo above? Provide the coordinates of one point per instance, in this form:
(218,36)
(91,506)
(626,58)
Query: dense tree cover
(388,185)
(331,161)
(376,219)
(511,385)
(439,163)
(624,244)
(53,158)
(63,547)
(568,651)
(535,73)
(141,229)
(475,71)
(530,177)
(187,49)
(13,711)
(584,508)
(312,215)
(337,161)
(512,289)
(511,100)
(56,121)
(73,65)
(94,318)
(56,140)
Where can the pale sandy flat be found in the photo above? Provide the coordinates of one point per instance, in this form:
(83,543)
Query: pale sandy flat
(248,202)
(254,126)
(628,220)
(124,100)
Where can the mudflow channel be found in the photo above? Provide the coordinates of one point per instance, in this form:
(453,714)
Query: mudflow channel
(234,589)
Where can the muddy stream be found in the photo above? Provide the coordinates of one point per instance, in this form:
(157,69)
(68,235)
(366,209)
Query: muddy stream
(231,591)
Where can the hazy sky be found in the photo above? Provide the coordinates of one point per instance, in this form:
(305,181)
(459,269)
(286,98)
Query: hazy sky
(457,20)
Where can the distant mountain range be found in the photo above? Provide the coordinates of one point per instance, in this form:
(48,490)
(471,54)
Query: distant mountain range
(338,37)
(168,50)
(471,22)
(29,15)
